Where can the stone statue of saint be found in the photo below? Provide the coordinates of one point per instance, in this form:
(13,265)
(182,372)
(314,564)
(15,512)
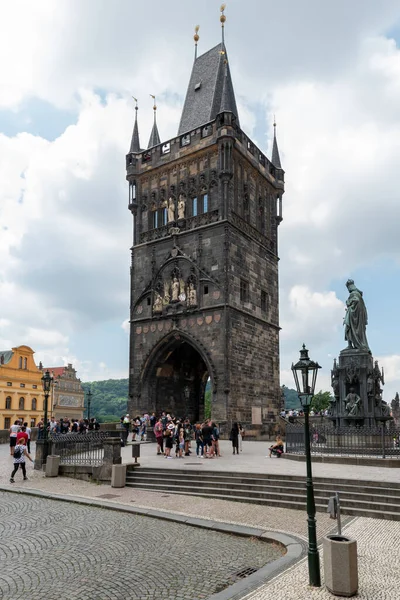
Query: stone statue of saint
(352,404)
(171,210)
(335,385)
(175,289)
(192,296)
(157,306)
(370,385)
(356,319)
(167,297)
(181,207)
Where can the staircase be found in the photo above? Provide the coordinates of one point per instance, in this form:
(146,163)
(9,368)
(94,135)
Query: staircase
(374,499)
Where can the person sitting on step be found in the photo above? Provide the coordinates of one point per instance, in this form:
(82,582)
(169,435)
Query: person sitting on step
(277,448)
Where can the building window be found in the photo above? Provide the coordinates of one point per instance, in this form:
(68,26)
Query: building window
(25,363)
(244,291)
(204,203)
(20,362)
(185,140)
(8,403)
(159,217)
(206,290)
(166,148)
(21,385)
(33,422)
(34,404)
(21,404)
(194,207)
(7,423)
(264,301)
(34,386)
(9,383)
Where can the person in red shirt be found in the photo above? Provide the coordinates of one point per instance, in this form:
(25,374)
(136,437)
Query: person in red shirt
(22,434)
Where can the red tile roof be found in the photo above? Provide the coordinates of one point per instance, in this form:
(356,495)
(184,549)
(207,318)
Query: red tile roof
(55,371)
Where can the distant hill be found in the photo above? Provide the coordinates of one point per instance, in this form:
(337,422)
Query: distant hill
(109,399)
(291,398)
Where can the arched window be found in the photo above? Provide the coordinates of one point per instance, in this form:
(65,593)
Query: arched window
(20,362)
(34,403)
(21,404)
(8,403)
(25,363)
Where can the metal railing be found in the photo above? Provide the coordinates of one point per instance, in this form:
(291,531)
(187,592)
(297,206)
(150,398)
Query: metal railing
(369,442)
(79,449)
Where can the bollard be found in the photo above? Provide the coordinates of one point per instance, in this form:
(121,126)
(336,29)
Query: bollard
(118,476)
(136,451)
(52,465)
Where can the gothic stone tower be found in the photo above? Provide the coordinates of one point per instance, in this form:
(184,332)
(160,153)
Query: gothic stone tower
(206,207)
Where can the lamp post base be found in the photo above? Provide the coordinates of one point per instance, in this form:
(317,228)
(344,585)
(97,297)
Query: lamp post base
(41,454)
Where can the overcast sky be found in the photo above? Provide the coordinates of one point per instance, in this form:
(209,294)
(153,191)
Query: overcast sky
(329,71)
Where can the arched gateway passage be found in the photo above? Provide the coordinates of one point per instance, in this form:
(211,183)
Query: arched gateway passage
(175,379)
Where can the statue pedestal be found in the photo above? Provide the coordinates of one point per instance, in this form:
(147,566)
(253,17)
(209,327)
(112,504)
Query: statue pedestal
(352,371)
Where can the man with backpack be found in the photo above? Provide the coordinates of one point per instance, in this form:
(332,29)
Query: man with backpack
(20,452)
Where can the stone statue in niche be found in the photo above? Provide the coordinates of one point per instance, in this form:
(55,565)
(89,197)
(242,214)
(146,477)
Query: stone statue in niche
(335,385)
(182,291)
(352,404)
(171,210)
(158,303)
(370,385)
(175,289)
(167,297)
(192,295)
(181,207)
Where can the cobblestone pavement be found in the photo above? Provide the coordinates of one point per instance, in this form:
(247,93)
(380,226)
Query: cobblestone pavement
(58,550)
(378,544)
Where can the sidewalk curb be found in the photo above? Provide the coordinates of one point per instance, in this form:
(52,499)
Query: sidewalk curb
(295,549)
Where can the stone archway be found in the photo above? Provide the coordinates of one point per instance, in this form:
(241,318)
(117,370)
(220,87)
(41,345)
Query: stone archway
(175,378)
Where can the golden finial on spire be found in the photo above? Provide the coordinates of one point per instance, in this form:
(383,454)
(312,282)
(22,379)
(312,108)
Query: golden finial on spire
(136,101)
(196,38)
(155,105)
(222,19)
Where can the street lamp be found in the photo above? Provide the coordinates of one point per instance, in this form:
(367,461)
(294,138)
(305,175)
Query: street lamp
(89,400)
(46,382)
(305,376)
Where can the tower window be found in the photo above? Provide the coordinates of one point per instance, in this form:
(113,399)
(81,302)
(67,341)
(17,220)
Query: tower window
(166,148)
(264,301)
(194,207)
(8,403)
(185,140)
(206,290)
(244,291)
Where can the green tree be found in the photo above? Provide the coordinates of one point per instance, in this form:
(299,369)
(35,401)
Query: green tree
(320,401)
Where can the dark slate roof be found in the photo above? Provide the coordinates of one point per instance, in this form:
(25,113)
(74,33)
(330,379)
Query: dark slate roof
(215,93)
(6,356)
(276,161)
(135,144)
(154,136)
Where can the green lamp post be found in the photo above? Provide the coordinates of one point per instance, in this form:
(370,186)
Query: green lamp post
(47,380)
(89,401)
(305,376)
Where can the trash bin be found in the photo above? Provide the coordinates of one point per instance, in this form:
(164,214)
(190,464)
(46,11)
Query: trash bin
(340,565)
(135,451)
(52,465)
(118,476)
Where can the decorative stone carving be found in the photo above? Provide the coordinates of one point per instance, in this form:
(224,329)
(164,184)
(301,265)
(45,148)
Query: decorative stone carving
(353,404)
(167,297)
(175,289)
(158,303)
(192,295)
(356,319)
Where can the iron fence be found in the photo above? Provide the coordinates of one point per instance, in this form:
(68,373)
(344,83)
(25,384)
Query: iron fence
(383,442)
(79,448)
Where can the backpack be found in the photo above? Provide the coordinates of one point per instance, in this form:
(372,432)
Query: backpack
(17,452)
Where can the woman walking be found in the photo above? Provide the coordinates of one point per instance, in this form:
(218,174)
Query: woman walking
(234,437)
(241,436)
(158,432)
(20,452)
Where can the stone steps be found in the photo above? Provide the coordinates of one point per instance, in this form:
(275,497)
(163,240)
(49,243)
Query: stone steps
(360,498)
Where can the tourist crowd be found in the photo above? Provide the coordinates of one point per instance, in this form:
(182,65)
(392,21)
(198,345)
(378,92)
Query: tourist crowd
(175,436)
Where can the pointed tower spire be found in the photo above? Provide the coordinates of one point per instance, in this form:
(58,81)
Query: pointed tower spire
(154,136)
(227,98)
(276,161)
(196,38)
(135,144)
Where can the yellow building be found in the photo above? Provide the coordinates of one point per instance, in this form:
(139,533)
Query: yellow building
(21,391)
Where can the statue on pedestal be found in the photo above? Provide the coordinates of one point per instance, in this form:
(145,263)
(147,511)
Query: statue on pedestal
(352,404)
(175,289)
(356,319)
(171,210)
(181,207)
